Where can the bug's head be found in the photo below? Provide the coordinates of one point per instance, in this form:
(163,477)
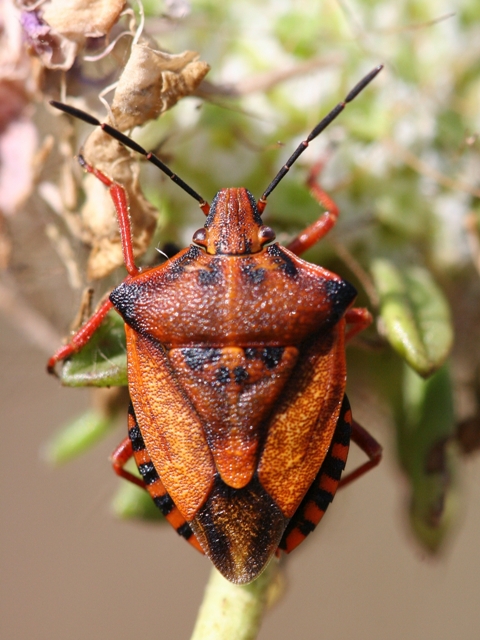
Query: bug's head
(234,225)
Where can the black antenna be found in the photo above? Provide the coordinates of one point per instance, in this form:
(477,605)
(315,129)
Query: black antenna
(323,124)
(131,144)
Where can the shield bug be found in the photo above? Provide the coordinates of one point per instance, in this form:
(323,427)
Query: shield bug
(238,422)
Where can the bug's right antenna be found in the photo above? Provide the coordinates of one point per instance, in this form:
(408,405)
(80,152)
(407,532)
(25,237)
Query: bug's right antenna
(323,124)
(131,144)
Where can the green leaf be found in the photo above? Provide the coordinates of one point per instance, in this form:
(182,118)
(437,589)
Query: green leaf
(429,455)
(102,362)
(415,314)
(78,436)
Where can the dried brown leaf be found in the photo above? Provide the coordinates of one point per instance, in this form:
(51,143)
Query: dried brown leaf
(81,19)
(152,82)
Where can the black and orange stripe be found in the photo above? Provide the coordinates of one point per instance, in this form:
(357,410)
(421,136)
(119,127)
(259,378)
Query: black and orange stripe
(154,485)
(324,487)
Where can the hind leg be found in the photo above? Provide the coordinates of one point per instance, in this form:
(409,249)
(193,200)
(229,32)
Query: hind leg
(369,446)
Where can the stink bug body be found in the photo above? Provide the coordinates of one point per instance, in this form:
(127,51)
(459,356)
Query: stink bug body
(238,423)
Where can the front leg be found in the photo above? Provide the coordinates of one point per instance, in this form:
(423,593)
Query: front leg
(120,201)
(358,319)
(81,337)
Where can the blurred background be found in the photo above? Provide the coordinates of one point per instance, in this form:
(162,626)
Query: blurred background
(397,554)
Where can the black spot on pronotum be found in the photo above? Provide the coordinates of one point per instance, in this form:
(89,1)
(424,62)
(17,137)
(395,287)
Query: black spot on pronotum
(255,276)
(210,276)
(340,294)
(285,261)
(178,265)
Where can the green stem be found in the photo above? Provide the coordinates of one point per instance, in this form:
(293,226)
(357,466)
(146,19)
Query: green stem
(234,612)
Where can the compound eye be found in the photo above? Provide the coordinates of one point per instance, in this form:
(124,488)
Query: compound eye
(266,234)
(200,237)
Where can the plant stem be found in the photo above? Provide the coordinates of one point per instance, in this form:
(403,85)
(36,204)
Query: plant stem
(234,612)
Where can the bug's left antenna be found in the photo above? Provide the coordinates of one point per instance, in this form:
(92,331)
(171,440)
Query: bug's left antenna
(131,144)
(323,124)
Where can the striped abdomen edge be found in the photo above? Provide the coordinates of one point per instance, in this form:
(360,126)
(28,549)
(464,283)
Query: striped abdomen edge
(324,487)
(154,485)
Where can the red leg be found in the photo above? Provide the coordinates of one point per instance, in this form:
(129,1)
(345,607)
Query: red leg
(316,231)
(359,318)
(120,201)
(119,459)
(369,446)
(81,337)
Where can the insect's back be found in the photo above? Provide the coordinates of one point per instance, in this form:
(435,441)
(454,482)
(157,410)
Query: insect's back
(237,375)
